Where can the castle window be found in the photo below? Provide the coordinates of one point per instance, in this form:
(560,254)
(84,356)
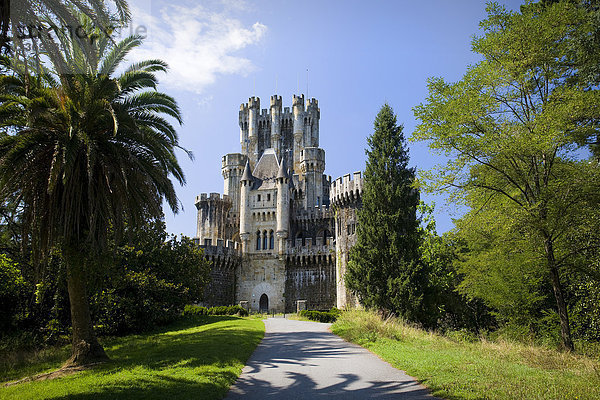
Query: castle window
(348,228)
(264,240)
(258,197)
(258,240)
(271,240)
(268,197)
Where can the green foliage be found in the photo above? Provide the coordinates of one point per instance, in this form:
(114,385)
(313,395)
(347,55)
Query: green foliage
(500,266)
(321,316)
(511,127)
(192,310)
(12,292)
(385,269)
(452,310)
(152,280)
(585,308)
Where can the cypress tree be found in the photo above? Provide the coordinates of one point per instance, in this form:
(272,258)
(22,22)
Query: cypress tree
(385,270)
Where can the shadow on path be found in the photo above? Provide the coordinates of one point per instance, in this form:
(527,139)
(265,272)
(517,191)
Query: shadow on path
(302,360)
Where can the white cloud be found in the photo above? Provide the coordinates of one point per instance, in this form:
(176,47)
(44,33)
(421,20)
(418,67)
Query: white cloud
(197,43)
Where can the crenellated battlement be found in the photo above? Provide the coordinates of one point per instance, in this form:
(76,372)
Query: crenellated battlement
(254,102)
(312,104)
(233,160)
(265,114)
(317,213)
(309,249)
(346,189)
(276,102)
(298,101)
(212,197)
(312,154)
(220,248)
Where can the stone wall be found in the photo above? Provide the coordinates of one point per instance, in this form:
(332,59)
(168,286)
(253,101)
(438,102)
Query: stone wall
(261,274)
(224,260)
(310,278)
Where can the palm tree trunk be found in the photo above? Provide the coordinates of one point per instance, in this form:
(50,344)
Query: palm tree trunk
(85,346)
(565,330)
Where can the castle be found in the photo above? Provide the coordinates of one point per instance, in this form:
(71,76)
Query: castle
(279,236)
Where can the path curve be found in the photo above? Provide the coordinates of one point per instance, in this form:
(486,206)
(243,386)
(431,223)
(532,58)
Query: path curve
(303,360)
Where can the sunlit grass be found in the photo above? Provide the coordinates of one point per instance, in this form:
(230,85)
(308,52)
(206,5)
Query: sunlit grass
(457,369)
(197,360)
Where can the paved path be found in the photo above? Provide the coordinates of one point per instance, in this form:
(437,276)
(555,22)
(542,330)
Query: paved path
(303,360)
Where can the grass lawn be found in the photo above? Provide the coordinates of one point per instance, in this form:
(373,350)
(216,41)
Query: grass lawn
(455,369)
(197,359)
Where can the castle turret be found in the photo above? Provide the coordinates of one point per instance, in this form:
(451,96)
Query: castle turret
(245,217)
(276,125)
(313,114)
(212,218)
(253,115)
(283,207)
(232,168)
(312,166)
(243,121)
(298,112)
(346,198)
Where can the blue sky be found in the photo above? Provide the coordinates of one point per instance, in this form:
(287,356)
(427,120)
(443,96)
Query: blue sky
(359,55)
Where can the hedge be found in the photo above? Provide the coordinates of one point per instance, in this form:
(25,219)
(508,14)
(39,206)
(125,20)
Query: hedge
(219,310)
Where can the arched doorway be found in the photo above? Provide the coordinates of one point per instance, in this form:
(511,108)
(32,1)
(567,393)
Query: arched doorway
(263,303)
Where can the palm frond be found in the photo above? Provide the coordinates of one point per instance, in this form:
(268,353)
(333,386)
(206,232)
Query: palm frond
(117,53)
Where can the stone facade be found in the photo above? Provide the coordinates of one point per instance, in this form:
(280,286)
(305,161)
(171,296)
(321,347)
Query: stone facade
(282,230)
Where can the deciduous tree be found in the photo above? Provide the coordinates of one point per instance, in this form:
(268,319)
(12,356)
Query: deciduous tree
(510,128)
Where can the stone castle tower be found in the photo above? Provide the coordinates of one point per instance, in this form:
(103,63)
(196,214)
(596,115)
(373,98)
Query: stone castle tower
(281,232)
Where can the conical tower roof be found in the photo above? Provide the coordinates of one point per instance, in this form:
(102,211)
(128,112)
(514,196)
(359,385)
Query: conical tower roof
(247,175)
(282,173)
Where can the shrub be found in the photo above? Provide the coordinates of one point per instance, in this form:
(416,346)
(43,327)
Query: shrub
(321,316)
(12,291)
(150,281)
(191,310)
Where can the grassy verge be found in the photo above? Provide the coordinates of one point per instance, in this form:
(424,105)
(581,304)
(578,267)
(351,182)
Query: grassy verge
(198,359)
(456,369)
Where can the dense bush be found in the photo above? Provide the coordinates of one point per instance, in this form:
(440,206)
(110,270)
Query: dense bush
(150,282)
(191,310)
(34,305)
(12,292)
(321,316)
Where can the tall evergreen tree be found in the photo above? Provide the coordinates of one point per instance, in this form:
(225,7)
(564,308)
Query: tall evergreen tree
(384,268)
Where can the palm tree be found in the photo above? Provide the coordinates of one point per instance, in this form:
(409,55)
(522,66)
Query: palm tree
(85,155)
